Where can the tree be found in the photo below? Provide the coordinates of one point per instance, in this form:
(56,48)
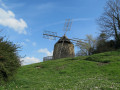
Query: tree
(9,60)
(86,47)
(103,45)
(109,21)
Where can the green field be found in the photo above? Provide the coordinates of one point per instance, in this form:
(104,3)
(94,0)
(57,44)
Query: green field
(96,72)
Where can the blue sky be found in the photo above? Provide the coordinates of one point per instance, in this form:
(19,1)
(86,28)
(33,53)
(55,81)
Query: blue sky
(23,22)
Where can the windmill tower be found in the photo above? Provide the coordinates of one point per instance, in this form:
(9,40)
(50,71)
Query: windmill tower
(64,47)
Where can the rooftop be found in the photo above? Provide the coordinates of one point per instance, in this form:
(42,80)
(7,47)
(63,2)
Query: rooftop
(64,39)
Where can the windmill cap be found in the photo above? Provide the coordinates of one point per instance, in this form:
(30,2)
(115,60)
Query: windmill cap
(64,39)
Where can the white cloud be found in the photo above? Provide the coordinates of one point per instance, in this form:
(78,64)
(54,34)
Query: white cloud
(62,22)
(29,60)
(45,50)
(45,6)
(34,43)
(22,43)
(7,18)
(2,4)
(27,40)
(81,19)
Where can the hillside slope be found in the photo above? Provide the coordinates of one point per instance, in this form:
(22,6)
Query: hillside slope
(96,72)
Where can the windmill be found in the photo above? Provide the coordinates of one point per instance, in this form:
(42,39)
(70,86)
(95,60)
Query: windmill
(64,47)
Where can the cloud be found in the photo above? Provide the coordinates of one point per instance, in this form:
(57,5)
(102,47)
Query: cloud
(27,40)
(45,50)
(29,60)
(56,23)
(81,19)
(22,43)
(45,6)
(34,43)
(2,4)
(7,18)
(62,22)
(16,5)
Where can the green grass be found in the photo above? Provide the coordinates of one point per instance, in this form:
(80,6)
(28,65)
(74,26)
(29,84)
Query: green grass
(96,72)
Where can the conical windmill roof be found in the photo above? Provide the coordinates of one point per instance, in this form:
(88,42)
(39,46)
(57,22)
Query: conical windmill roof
(64,39)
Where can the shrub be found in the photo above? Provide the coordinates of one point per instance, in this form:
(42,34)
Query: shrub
(9,60)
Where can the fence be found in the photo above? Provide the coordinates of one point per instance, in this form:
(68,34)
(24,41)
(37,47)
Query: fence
(47,58)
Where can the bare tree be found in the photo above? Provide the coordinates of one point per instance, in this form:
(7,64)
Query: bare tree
(87,47)
(110,20)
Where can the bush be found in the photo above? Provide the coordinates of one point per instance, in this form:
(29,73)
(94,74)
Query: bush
(9,60)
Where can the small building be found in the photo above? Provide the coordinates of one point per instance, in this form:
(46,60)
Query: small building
(63,48)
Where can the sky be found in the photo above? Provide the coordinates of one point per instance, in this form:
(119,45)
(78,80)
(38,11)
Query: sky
(24,21)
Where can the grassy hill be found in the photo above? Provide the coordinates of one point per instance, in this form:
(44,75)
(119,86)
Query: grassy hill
(96,72)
